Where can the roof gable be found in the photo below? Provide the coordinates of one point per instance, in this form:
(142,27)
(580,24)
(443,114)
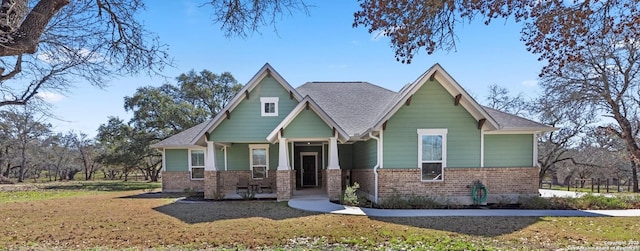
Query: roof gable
(266,71)
(460,96)
(308,103)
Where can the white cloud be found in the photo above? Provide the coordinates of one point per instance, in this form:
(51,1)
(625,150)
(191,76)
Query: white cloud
(50,97)
(530,83)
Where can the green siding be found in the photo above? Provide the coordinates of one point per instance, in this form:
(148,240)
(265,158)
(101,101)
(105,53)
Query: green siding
(176,160)
(238,157)
(345,155)
(246,125)
(508,150)
(365,154)
(307,125)
(431,107)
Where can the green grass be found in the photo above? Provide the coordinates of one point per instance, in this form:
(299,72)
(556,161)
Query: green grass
(52,190)
(15,196)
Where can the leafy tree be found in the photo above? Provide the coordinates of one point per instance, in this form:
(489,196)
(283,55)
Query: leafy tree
(557,30)
(169,109)
(159,112)
(25,130)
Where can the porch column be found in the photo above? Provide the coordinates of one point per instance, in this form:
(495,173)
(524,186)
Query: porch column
(210,164)
(334,162)
(210,173)
(283,155)
(333,172)
(284,174)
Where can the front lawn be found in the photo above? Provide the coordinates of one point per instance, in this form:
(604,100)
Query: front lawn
(126,219)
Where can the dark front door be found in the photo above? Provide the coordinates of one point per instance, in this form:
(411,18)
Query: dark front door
(309,170)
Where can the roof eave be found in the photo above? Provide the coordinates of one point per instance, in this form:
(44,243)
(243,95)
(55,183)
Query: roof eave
(265,71)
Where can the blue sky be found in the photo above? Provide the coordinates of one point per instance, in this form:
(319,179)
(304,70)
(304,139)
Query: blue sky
(320,47)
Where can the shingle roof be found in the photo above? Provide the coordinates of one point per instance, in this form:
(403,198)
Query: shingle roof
(357,107)
(353,105)
(512,122)
(184,138)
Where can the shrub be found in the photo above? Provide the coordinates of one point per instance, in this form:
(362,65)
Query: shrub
(350,197)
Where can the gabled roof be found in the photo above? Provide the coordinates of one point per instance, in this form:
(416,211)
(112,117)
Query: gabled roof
(265,71)
(357,108)
(184,138)
(438,73)
(510,122)
(352,105)
(304,103)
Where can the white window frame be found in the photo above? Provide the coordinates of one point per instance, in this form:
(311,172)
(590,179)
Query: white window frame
(433,132)
(251,165)
(191,166)
(269,100)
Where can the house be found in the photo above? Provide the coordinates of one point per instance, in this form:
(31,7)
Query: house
(430,138)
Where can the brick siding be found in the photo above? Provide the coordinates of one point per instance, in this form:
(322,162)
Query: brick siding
(175,182)
(502,183)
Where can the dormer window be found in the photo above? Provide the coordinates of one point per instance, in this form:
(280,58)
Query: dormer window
(269,106)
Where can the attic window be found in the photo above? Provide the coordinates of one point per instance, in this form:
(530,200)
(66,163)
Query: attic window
(269,106)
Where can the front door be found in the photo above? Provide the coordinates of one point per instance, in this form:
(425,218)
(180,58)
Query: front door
(309,169)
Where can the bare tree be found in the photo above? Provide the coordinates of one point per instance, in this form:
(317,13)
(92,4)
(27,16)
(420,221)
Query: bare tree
(47,45)
(499,98)
(607,82)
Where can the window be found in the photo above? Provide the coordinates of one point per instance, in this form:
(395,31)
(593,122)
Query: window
(269,106)
(196,164)
(259,161)
(432,153)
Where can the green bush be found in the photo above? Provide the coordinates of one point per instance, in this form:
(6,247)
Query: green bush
(350,196)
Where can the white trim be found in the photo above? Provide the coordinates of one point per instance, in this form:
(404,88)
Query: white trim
(314,154)
(224,148)
(381,136)
(164,160)
(259,146)
(204,154)
(481,148)
(269,100)
(435,132)
(265,71)
(535,150)
(449,84)
(273,135)
(292,151)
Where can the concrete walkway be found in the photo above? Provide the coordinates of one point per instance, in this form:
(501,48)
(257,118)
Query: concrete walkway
(314,201)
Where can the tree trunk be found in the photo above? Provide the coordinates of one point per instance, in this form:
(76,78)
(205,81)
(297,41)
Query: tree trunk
(634,176)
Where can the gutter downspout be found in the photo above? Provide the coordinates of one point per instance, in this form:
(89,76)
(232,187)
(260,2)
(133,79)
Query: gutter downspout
(375,168)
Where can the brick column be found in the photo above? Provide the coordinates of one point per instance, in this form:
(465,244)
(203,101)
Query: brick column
(334,183)
(211,181)
(284,184)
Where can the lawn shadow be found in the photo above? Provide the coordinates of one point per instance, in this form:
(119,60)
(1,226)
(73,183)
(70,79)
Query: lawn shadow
(486,226)
(156,195)
(209,211)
